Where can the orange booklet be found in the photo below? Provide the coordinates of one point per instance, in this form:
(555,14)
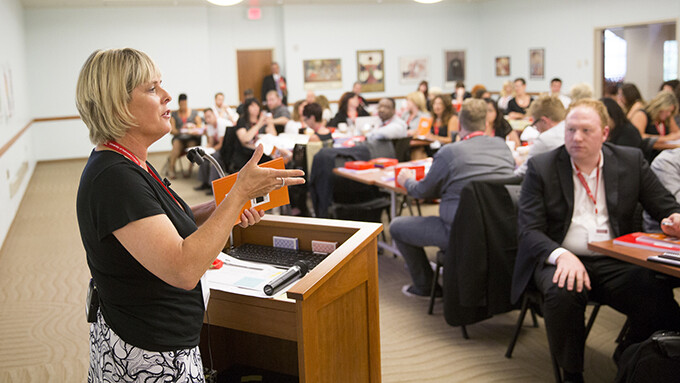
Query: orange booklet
(278,197)
(649,241)
(424,125)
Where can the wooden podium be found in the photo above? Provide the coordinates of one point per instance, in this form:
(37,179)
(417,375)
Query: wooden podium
(328,327)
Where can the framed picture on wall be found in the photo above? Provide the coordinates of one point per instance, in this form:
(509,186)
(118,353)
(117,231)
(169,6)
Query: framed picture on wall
(454,67)
(502,66)
(371,70)
(413,69)
(536,63)
(322,74)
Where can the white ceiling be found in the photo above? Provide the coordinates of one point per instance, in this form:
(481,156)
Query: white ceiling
(163,3)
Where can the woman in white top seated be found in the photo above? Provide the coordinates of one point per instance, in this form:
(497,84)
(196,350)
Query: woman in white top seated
(296,125)
(416,108)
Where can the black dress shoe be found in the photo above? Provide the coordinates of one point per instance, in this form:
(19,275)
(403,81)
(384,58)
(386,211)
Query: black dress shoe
(202,187)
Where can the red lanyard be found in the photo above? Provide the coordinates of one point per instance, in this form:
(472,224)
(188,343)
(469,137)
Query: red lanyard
(585,185)
(120,149)
(472,135)
(661,128)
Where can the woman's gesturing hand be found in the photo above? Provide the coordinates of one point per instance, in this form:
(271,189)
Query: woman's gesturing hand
(254,181)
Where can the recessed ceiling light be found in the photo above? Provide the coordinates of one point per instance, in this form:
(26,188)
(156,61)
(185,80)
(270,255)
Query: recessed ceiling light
(225,3)
(427,1)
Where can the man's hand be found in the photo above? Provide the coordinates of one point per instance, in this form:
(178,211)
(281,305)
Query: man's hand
(404,175)
(671,225)
(570,270)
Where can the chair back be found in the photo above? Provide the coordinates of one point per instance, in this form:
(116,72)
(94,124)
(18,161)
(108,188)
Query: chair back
(402,148)
(312,149)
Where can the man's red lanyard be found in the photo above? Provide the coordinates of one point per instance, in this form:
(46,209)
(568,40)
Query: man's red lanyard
(585,185)
(472,135)
(120,149)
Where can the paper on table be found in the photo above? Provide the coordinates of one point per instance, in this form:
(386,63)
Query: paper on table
(241,277)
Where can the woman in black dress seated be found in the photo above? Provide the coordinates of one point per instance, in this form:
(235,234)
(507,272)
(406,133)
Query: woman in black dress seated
(656,119)
(349,109)
(241,139)
(497,125)
(621,131)
(518,105)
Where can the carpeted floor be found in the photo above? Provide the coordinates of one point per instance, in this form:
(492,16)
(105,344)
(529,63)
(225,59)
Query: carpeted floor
(44,335)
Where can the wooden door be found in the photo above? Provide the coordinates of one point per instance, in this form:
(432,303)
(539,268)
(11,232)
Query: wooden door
(253,66)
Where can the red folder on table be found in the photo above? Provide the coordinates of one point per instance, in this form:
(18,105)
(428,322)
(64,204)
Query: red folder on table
(649,241)
(418,169)
(278,197)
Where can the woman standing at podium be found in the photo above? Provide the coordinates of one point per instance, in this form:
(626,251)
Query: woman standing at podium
(146,248)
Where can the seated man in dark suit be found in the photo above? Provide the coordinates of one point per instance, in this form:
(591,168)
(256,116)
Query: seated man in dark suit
(476,156)
(581,192)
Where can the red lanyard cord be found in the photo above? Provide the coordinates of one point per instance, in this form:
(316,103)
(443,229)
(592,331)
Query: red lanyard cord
(585,185)
(472,135)
(120,149)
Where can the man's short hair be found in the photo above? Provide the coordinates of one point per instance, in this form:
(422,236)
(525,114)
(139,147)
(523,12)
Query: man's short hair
(547,106)
(593,104)
(248,93)
(313,110)
(472,115)
(274,92)
(182,97)
(556,79)
(580,91)
(104,90)
(206,110)
(391,100)
(520,79)
(219,94)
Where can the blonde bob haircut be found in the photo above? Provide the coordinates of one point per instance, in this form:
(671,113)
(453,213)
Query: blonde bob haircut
(473,115)
(418,98)
(104,90)
(593,104)
(661,101)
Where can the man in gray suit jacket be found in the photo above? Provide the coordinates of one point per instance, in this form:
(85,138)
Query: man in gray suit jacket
(582,192)
(476,156)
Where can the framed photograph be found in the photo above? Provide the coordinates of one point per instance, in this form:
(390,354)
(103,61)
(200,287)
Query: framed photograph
(502,66)
(322,74)
(454,67)
(413,69)
(536,63)
(371,70)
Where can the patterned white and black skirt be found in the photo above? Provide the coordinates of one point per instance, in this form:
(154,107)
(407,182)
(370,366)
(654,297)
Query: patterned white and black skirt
(113,360)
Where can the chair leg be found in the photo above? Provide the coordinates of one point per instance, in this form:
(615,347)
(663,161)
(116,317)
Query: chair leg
(624,331)
(464,331)
(432,289)
(518,326)
(591,320)
(556,368)
(533,317)
(418,207)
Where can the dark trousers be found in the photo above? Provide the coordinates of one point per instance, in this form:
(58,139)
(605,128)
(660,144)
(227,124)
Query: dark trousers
(643,295)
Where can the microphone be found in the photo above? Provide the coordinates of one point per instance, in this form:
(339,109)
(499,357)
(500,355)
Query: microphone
(297,271)
(197,155)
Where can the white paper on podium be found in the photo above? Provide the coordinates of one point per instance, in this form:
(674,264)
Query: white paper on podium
(242,277)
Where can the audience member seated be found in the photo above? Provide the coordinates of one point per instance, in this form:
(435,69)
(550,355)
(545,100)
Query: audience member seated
(214,131)
(507,94)
(621,131)
(248,93)
(445,120)
(630,99)
(277,83)
(356,89)
(424,88)
(186,132)
(416,108)
(479,91)
(378,144)
(669,85)
(558,216)
(518,105)
(555,90)
(279,112)
(223,111)
(460,94)
(244,135)
(311,97)
(548,114)
(666,166)
(497,125)
(325,105)
(611,90)
(312,117)
(296,125)
(349,109)
(580,91)
(476,156)
(656,119)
